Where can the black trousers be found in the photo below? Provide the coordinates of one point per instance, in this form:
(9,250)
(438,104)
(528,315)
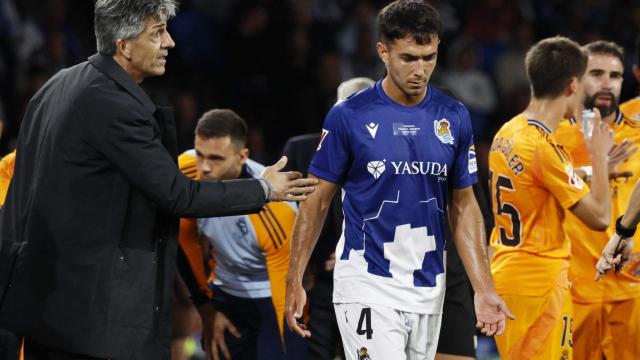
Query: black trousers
(9,345)
(325,339)
(34,351)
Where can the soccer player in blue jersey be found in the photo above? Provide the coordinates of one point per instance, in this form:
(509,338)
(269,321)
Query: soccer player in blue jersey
(400,150)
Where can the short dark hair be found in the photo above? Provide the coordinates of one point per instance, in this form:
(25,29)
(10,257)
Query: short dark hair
(124,19)
(414,18)
(551,63)
(603,47)
(220,123)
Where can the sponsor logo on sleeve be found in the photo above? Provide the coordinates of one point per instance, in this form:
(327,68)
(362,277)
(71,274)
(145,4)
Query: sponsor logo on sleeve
(574,180)
(473,163)
(322,136)
(442,128)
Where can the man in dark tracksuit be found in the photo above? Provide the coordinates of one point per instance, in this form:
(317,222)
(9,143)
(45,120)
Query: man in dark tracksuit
(88,229)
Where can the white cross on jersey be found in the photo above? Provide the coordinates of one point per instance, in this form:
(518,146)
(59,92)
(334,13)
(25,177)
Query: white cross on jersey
(407,250)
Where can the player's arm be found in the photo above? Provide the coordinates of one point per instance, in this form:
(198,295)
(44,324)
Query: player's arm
(469,237)
(594,209)
(306,231)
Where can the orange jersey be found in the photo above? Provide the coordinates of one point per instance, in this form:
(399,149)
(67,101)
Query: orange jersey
(532,182)
(6,173)
(586,244)
(631,108)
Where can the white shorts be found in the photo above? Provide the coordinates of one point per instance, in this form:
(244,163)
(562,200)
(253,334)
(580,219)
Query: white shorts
(382,333)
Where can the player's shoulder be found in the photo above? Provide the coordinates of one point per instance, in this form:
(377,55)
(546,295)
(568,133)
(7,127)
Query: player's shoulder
(631,108)
(187,163)
(254,168)
(442,97)
(357,101)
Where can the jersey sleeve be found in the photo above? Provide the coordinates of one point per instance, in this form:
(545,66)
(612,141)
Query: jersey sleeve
(333,155)
(465,166)
(274,238)
(554,170)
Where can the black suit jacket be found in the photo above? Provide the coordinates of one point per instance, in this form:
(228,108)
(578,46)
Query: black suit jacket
(88,230)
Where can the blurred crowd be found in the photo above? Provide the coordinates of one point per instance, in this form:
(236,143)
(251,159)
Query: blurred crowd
(278,62)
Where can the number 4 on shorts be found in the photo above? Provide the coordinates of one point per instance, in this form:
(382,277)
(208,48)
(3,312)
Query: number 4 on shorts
(365,319)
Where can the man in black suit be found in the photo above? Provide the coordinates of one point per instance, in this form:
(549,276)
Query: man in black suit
(88,229)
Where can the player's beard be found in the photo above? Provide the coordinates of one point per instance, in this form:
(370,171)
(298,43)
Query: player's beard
(605,110)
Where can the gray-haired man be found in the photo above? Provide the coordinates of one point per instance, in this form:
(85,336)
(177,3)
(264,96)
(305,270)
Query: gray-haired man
(88,230)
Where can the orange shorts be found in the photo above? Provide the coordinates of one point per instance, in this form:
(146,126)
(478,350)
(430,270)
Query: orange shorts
(542,328)
(610,328)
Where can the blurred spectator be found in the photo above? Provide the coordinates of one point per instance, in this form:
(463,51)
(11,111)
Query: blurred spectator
(470,85)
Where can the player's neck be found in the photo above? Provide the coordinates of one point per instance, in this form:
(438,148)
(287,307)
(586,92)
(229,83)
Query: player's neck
(547,111)
(394,93)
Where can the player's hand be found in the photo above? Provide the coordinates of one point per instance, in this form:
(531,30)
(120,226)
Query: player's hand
(615,255)
(491,312)
(222,325)
(207,317)
(289,185)
(296,298)
(601,140)
(620,153)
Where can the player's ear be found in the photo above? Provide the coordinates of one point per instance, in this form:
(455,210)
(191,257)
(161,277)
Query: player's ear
(383,51)
(244,155)
(573,86)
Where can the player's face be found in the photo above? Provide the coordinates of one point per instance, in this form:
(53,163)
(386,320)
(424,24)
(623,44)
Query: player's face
(409,64)
(219,158)
(602,83)
(149,50)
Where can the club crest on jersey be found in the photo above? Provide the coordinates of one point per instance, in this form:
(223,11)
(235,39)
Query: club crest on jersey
(442,129)
(373,129)
(376,168)
(574,180)
(473,163)
(363,354)
(322,136)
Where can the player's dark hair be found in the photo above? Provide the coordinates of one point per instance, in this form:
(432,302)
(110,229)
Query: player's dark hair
(414,18)
(602,47)
(551,63)
(220,123)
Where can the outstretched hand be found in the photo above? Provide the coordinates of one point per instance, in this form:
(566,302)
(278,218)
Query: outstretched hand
(286,185)
(491,312)
(296,298)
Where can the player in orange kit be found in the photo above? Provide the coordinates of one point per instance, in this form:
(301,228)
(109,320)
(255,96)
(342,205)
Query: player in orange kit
(532,182)
(607,313)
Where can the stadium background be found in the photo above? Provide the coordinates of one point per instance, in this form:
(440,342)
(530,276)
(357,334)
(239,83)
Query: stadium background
(278,62)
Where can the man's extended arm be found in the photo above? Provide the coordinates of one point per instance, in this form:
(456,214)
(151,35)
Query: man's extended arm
(469,238)
(306,231)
